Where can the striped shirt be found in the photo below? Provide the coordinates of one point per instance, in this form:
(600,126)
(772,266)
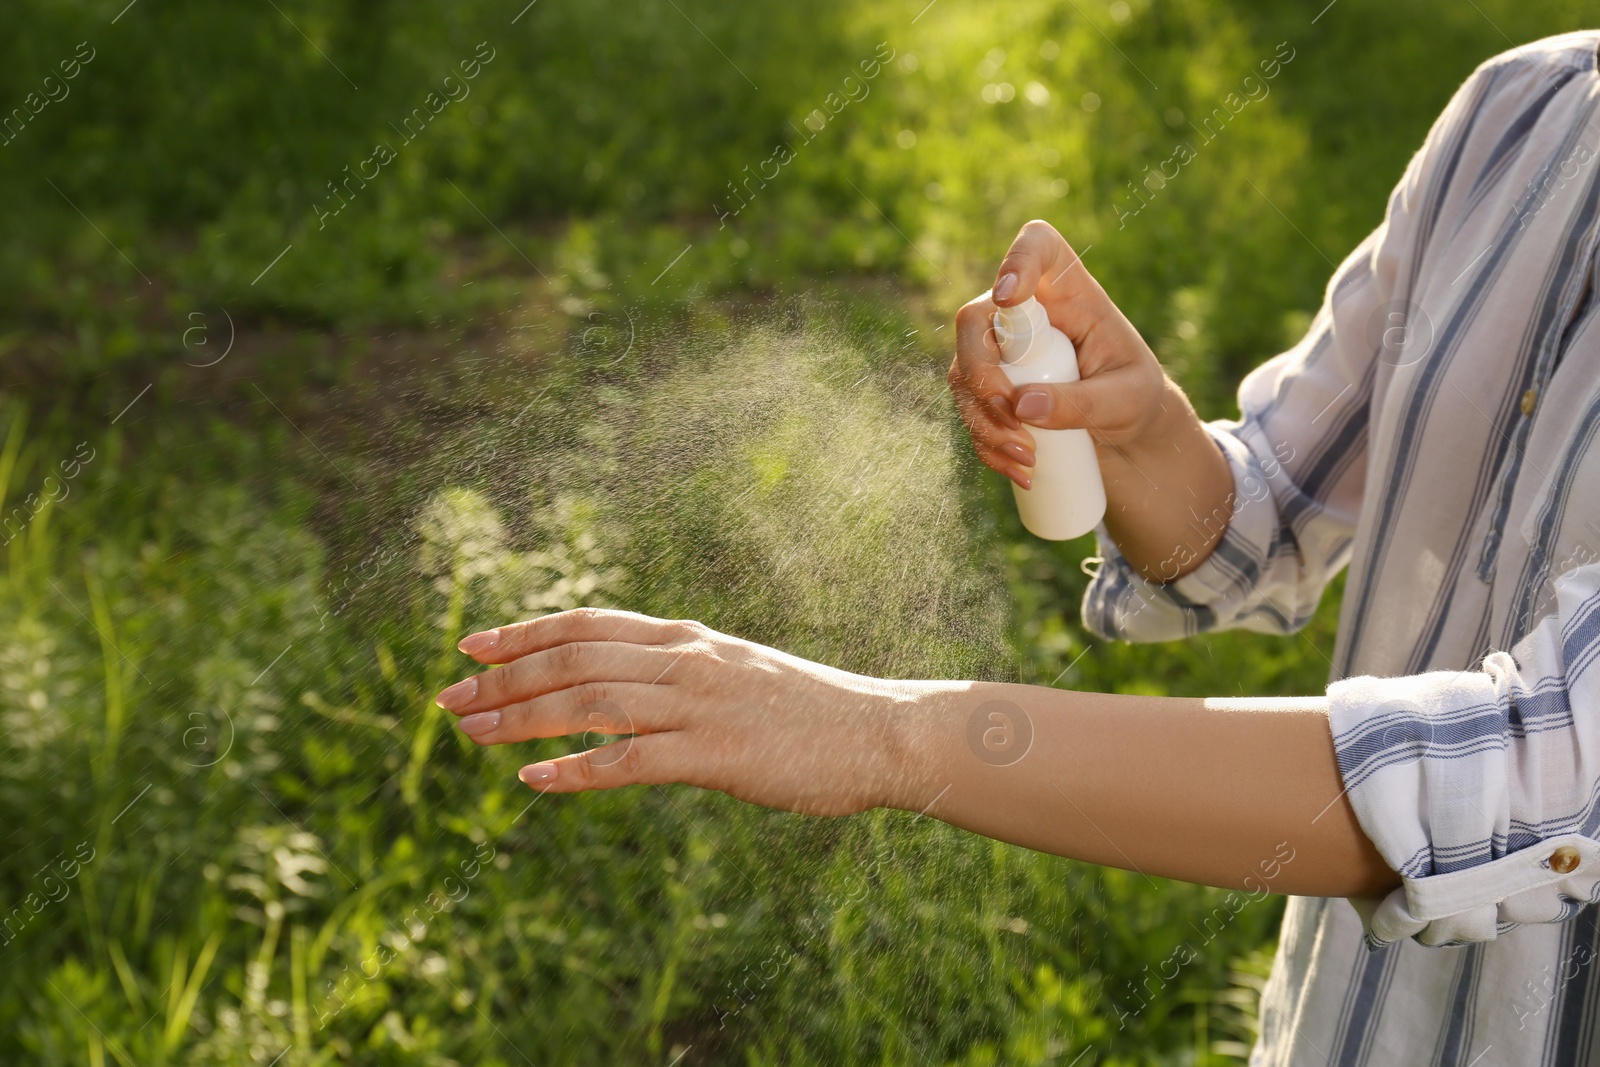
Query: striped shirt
(1435,432)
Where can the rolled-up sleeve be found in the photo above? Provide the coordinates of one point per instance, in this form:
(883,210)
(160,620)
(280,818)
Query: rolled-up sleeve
(1479,787)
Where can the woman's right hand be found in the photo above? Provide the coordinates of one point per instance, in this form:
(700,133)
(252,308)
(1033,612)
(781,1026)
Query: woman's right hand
(1121,394)
(1160,466)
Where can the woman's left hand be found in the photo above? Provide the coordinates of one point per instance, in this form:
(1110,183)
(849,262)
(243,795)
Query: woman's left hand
(701,707)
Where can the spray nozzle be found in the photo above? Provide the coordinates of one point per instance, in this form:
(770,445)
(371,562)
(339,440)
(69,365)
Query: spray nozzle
(1017,327)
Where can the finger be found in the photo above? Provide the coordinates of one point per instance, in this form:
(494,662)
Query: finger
(982,390)
(1009,453)
(1003,464)
(653,759)
(1041,263)
(1105,404)
(506,643)
(597,708)
(558,668)
(987,432)
(991,421)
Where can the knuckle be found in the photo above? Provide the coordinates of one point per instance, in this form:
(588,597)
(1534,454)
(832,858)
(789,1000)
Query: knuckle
(582,770)
(1082,403)
(687,663)
(1069,401)
(600,712)
(632,760)
(590,694)
(568,658)
(689,629)
(493,684)
(974,314)
(512,681)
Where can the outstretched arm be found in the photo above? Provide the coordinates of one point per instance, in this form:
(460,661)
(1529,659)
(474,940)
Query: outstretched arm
(1208,791)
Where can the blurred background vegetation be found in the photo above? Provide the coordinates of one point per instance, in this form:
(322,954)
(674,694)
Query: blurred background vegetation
(651,316)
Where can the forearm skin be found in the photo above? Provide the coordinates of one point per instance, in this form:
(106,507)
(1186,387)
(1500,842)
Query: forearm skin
(1207,791)
(1169,493)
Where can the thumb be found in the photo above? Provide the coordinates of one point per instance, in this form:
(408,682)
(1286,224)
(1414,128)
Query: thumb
(1091,404)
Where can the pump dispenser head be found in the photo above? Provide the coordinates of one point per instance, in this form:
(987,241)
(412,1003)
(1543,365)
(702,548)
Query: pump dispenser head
(1020,330)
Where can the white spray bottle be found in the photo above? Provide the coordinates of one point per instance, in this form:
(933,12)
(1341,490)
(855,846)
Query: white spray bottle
(1068,499)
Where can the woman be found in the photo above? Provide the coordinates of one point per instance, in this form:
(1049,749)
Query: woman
(1433,432)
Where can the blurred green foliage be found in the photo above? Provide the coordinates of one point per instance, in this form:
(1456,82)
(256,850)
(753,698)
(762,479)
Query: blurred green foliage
(201,137)
(651,316)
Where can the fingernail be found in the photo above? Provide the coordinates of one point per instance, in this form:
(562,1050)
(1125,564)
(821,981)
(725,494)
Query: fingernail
(1005,286)
(481,723)
(1018,453)
(459,695)
(1022,479)
(1033,405)
(538,774)
(473,644)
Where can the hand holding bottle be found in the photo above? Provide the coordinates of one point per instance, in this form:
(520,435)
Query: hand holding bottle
(1156,458)
(1119,395)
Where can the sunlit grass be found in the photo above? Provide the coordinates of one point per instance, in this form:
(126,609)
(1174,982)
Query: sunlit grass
(282,823)
(239,830)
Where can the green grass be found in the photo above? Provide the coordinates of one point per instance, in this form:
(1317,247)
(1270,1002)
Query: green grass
(238,829)
(304,801)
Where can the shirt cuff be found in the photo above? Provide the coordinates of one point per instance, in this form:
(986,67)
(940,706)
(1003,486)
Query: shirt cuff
(1425,764)
(1232,570)
(1121,604)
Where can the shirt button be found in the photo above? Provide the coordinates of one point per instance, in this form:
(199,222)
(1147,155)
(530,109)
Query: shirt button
(1529,398)
(1564,860)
